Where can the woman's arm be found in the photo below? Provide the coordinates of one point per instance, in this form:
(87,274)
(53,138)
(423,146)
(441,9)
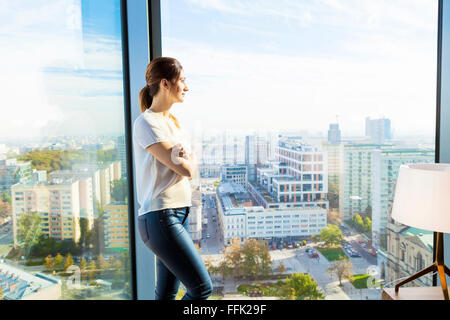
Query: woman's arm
(163,152)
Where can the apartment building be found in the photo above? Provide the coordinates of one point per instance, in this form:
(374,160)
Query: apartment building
(57,203)
(115,228)
(385,167)
(355,188)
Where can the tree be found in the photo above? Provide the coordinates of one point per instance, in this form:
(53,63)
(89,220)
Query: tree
(300,286)
(59,261)
(68,261)
(367,225)
(28,230)
(49,263)
(256,258)
(342,269)
(92,267)
(334,216)
(102,263)
(281,267)
(333,195)
(82,265)
(83,232)
(358,223)
(331,235)
(5,209)
(119,190)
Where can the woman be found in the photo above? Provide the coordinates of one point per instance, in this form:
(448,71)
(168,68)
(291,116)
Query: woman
(164,167)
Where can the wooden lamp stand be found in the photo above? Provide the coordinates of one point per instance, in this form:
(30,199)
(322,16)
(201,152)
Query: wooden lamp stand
(438,265)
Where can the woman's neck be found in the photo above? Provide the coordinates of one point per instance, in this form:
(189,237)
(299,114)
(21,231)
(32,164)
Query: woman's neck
(161,106)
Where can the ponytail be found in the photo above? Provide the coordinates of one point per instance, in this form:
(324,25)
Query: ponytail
(145,99)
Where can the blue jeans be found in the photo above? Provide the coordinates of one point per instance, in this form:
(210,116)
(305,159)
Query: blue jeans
(165,232)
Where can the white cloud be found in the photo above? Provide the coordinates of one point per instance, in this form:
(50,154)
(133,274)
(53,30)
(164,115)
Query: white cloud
(39,38)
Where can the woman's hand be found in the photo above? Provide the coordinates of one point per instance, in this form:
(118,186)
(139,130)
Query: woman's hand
(178,153)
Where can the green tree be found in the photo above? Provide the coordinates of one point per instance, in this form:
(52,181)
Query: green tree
(5,197)
(59,261)
(102,263)
(367,225)
(49,262)
(82,265)
(119,190)
(83,232)
(331,235)
(333,195)
(358,222)
(5,209)
(28,230)
(342,269)
(256,258)
(300,286)
(92,269)
(68,261)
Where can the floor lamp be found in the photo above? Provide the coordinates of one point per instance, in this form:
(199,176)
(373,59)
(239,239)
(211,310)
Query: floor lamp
(422,200)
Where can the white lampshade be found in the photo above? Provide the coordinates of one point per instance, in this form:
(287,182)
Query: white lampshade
(422,196)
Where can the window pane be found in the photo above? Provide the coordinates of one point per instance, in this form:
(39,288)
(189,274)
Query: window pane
(63,178)
(302,92)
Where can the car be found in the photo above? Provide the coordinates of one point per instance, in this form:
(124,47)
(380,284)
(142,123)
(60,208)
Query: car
(363,245)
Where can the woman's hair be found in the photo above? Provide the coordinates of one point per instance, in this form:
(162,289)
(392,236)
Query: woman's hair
(158,69)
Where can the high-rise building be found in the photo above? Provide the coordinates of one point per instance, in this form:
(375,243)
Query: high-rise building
(334,133)
(385,167)
(355,189)
(115,227)
(378,130)
(251,156)
(122,154)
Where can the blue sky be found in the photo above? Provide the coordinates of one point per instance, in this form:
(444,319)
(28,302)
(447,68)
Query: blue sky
(263,64)
(250,64)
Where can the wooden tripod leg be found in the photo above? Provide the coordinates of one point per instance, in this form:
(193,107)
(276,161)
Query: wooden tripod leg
(416,275)
(443,281)
(447,270)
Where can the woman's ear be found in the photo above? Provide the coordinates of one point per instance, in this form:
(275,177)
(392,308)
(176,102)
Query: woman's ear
(164,84)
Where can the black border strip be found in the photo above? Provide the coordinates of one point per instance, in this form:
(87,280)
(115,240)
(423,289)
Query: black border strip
(438,108)
(128,143)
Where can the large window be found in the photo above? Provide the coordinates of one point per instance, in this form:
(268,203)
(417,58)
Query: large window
(275,84)
(63,178)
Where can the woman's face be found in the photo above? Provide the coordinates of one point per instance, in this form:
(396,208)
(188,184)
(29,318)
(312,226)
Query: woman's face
(180,88)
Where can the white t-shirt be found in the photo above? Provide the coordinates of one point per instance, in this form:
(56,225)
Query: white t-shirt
(157,186)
